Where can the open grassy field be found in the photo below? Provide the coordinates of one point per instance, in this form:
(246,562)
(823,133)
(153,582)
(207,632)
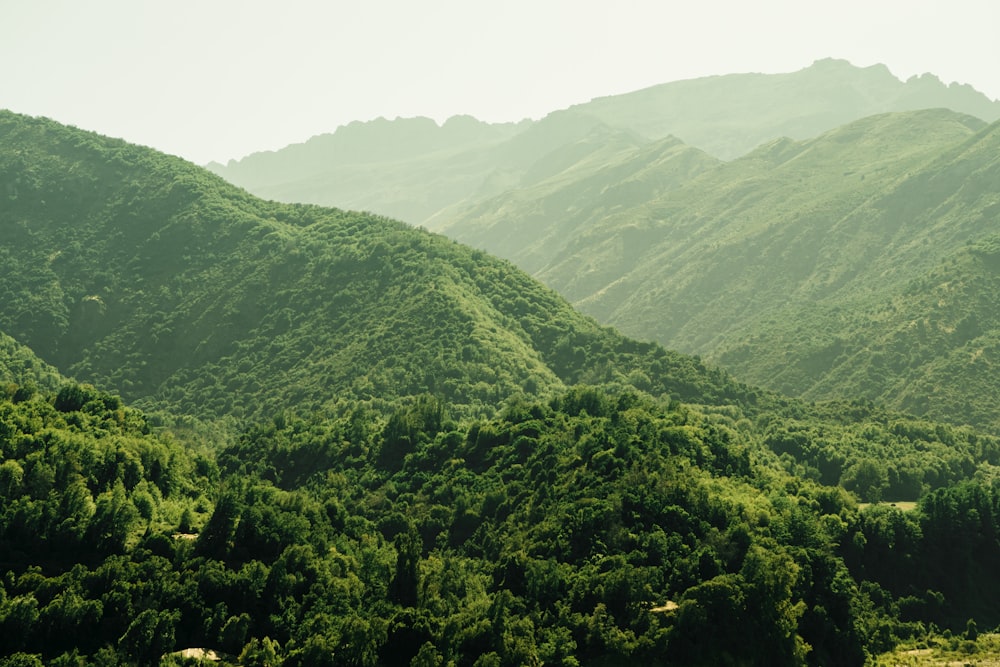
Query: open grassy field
(956,651)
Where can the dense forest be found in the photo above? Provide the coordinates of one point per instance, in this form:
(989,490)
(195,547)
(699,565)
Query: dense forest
(304,436)
(598,527)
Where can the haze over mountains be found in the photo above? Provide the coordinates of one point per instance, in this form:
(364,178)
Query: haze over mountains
(411,168)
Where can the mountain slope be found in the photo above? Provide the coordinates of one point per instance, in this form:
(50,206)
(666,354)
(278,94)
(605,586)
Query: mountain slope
(531,224)
(142,273)
(931,348)
(594,525)
(762,263)
(790,219)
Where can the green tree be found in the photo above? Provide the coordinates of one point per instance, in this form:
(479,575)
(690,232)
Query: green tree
(114,518)
(868,478)
(150,635)
(406,581)
(427,656)
(260,653)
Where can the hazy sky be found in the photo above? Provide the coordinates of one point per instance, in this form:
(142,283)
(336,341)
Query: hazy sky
(217,79)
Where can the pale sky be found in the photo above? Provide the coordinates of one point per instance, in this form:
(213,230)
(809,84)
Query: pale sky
(218,79)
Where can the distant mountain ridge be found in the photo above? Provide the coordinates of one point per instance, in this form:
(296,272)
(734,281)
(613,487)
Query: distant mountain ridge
(414,170)
(730,115)
(370,142)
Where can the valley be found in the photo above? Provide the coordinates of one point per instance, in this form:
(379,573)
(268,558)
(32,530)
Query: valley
(288,433)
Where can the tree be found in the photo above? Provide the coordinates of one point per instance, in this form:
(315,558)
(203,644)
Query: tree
(216,538)
(427,656)
(971,630)
(150,635)
(868,478)
(260,653)
(114,517)
(406,581)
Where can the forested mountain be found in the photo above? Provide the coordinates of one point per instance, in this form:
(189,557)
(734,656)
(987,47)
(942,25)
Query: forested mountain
(432,458)
(412,169)
(144,274)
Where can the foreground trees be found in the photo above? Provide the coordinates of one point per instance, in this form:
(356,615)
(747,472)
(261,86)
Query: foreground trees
(600,526)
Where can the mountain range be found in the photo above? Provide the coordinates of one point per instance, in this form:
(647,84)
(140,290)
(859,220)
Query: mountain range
(425,456)
(765,222)
(777,264)
(411,168)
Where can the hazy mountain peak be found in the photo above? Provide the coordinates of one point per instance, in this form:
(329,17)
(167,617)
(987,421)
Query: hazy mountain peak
(831,63)
(925,78)
(729,116)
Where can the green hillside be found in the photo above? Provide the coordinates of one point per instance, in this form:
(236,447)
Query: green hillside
(144,274)
(531,224)
(790,219)
(932,348)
